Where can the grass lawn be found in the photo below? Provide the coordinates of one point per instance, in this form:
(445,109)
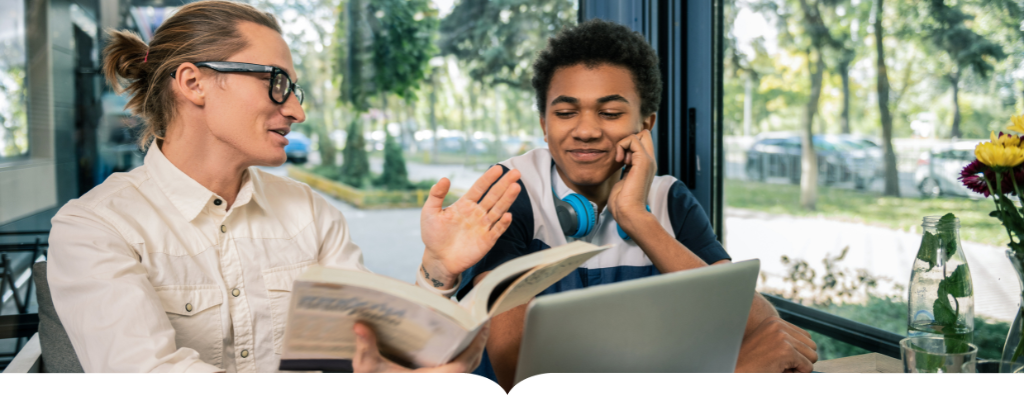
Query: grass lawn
(902,213)
(453,158)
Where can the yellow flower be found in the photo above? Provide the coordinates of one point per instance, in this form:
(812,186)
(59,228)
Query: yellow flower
(1017,124)
(1005,140)
(997,155)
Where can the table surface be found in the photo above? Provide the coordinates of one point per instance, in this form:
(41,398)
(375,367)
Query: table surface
(867,363)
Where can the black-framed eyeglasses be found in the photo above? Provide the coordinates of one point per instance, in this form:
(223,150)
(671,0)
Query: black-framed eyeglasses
(280,84)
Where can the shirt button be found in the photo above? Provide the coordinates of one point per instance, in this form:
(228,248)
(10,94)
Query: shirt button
(188,307)
(245,353)
(235,292)
(217,202)
(223,229)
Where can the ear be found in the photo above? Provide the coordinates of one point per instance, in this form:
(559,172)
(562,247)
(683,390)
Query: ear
(544,128)
(188,82)
(649,122)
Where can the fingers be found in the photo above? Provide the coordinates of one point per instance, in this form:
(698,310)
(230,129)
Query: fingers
(499,190)
(469,360)
(805,350)
(802,364)
(435,201)
(482,184)
(367,357)
(497,211)
(501,225)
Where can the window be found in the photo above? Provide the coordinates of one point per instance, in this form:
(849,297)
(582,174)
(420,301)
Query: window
(13,107)
(845,242)
(443,83)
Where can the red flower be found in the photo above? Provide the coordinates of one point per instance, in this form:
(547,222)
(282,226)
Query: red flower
(971,176)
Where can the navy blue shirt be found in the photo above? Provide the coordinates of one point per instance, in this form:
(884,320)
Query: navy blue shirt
(688,221)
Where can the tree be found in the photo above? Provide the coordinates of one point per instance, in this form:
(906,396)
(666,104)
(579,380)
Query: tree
(384,47)
(497,39)
(848,35)
(314,70)
(355,66)
(802,27)
(394,177)
(959,47)
(892,181)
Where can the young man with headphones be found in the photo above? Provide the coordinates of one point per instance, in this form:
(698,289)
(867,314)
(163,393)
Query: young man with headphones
(598,89)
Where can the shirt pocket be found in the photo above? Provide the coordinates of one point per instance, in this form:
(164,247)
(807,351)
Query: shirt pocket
(279,282)
(195,315)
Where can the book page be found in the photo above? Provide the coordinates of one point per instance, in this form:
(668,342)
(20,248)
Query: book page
(322,316)
(390,286)
(534,282)
(482,292)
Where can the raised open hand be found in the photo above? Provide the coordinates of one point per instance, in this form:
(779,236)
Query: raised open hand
(460,235)
(368,358)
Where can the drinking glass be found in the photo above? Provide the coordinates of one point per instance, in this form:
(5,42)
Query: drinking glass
(929,354)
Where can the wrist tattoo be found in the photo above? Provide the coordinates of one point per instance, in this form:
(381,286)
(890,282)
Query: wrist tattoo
(437,283)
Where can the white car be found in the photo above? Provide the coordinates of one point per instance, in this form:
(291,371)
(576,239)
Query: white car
(938,170)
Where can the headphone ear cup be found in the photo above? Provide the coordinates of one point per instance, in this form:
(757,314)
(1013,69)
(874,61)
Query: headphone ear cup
(566,217)
(584,214)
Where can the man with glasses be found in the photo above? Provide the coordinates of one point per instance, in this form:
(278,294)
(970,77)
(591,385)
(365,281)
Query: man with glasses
(186,263)
(598,89)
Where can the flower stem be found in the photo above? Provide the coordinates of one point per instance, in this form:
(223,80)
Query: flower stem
(998,208)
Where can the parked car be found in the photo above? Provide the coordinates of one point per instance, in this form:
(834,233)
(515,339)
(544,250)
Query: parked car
(938,170)
(297,149)
(841,158)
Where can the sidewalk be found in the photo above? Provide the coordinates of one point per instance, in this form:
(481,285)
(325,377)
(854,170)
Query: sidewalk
(882,252)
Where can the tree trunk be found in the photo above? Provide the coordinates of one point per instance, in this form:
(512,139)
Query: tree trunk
(469,112)
(844,73)
(748,102)
(892,178)
(433,117)
(809,157)
(954,132)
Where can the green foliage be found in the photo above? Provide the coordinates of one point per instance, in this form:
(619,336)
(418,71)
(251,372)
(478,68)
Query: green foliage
(383,47)
(394,177)
(499,38)
(946,27)
(355,167)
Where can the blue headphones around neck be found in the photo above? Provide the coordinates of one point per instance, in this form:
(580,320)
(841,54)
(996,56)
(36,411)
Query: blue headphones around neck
(577,217)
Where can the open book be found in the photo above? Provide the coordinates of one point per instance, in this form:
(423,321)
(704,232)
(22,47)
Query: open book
(414,327)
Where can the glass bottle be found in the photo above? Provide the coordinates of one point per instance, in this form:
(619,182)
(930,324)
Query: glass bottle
(1013,350)
(941,301)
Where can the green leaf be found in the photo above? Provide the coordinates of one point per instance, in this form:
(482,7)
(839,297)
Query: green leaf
(944,313)
(958,284)
(928,250)
(1020,344)
(946,230)
(926,362)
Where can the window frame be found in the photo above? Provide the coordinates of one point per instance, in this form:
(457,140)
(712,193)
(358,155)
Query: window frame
(11,160)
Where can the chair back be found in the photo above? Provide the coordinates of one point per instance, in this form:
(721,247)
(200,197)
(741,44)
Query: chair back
(58,354)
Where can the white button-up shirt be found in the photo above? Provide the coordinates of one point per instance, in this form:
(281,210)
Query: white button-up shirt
(150,273)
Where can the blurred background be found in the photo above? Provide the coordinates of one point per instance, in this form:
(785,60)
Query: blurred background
(890,97)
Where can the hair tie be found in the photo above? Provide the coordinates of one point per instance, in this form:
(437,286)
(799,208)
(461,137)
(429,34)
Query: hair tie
(147,56)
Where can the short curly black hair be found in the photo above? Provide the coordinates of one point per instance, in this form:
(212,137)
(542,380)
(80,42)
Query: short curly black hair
(596,42)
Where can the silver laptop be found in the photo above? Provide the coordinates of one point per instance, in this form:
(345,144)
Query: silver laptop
(689,321)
